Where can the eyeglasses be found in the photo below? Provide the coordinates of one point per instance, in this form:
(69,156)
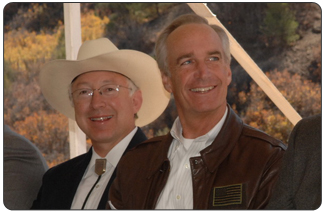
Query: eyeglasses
(85,94)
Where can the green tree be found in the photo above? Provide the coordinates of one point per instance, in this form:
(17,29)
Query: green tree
(279,25)
(129,21)
(8,77)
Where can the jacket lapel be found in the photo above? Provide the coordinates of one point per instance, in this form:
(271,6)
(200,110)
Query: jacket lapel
(70,181)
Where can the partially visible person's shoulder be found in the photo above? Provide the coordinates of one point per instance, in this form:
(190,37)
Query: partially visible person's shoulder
(310,124)
(13,140)
(307,133)
(259,135)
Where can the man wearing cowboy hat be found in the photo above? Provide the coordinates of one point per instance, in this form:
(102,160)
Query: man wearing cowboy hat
(108,92)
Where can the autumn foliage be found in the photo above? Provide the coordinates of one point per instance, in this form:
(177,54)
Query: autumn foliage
(29,114)
(25,109)
(261,113)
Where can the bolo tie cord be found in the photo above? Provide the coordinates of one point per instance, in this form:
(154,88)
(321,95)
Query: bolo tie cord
(86,199)
(100,168)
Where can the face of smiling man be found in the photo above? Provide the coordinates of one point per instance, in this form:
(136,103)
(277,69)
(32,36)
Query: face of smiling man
(199,75)
(106,120)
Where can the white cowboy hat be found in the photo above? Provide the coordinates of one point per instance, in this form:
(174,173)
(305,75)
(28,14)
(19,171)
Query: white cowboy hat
(101,54)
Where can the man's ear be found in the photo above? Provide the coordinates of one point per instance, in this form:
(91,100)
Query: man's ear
(137,100)
(167,83)
(229,76)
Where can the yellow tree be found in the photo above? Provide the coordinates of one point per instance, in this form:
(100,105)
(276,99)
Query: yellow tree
(25,109)
(303,95)
(92,26)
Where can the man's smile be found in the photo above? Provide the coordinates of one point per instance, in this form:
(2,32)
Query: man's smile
(202,90)
(102,118)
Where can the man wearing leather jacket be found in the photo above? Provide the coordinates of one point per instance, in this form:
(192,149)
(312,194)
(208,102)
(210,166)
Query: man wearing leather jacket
(210,159)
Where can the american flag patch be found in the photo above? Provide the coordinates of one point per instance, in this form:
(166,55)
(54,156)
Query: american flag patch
(227,195)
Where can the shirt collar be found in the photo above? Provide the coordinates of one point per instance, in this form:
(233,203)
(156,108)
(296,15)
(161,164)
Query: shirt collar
(113,156)
(176,131)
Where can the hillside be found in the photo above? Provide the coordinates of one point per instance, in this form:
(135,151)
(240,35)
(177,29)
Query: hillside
(297,58)
(34,34)
(243,20)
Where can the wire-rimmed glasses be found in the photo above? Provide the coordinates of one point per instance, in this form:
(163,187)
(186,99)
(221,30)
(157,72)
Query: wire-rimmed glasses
(85,94)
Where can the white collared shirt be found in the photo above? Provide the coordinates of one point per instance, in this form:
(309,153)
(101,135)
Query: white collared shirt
(177,193)
(90,177)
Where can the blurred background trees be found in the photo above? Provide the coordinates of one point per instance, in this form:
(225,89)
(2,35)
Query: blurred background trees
(279,25)
(283,38)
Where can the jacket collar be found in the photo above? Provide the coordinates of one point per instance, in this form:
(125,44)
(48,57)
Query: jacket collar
(221,146)
(160,161)
(224,142)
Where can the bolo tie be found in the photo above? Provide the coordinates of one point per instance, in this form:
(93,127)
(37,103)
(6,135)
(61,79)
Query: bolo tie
(100,168)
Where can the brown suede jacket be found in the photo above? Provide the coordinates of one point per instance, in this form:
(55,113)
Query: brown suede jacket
(237,171)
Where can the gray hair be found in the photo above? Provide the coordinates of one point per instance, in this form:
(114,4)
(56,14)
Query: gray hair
(160,47)
(132,86)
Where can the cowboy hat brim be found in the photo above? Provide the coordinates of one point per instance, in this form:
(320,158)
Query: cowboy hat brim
(56,77)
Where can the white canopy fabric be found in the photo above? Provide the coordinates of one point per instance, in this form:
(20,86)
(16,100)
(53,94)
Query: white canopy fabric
(73,41)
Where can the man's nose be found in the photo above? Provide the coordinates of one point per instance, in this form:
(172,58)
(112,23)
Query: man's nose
(202,70)
(97,99)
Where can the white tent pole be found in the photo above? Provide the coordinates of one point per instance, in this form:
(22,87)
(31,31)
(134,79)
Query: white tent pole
(250,66)
(72,24)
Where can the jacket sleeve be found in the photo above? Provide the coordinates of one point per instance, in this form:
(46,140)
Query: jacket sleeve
(282,191)
(269,179)
(299,183)
(282,194)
